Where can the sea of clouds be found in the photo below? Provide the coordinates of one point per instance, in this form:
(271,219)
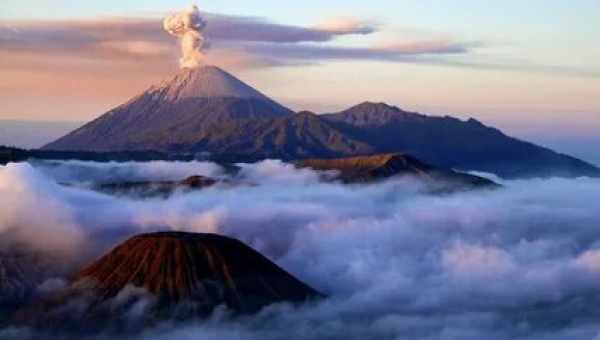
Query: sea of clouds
(520,262)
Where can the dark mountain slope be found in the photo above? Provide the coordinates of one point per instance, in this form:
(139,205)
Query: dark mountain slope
(448,142)
(295,136)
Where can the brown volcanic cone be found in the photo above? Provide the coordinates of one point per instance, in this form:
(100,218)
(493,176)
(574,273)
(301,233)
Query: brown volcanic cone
(205,269)
(165,276)
(363,169)
(368,168)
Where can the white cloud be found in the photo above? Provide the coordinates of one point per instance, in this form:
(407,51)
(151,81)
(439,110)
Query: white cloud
(467,261)
(516,263)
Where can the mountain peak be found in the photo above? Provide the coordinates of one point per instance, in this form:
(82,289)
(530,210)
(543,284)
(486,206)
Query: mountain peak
(206,269)
(207,82)
(376,106)
(372,114)
(171,276)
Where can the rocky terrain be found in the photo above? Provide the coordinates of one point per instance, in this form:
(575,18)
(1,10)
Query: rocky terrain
(366,169)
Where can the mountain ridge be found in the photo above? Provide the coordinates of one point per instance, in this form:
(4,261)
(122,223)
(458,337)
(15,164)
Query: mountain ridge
(452,143)
(209,111)
(373,168)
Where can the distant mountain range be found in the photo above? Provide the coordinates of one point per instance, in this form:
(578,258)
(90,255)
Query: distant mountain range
(209,111)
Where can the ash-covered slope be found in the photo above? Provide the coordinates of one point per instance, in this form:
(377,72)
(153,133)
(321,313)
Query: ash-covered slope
(167,275)
(448,142)
(174,116)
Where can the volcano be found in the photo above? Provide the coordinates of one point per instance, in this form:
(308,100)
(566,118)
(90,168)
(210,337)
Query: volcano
(168,275)
(207,111)
(184,267)
(179,113)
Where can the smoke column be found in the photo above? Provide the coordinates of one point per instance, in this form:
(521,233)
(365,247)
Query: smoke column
(187,26)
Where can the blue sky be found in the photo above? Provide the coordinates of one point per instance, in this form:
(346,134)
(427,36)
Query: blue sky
(532,68)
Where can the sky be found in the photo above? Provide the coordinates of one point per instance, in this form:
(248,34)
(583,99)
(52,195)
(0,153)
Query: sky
(531,69)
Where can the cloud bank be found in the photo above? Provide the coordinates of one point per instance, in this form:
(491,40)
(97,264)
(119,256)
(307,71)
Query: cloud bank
(518,263)
(247,38)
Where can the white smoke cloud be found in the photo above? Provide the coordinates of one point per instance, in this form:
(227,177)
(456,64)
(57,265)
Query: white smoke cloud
(32,210)
(187,26)
(522,262)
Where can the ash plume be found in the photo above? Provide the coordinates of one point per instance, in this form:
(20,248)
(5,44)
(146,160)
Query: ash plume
(187,26)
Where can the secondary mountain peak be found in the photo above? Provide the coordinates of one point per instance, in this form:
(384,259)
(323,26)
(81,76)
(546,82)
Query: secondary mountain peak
(371,113)
(371,168)
(375,106)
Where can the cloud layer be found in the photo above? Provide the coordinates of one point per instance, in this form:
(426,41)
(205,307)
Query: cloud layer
(518,263)
(248,38)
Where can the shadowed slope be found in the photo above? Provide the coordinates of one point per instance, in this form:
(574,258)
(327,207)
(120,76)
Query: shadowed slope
(452,143)
(300,135)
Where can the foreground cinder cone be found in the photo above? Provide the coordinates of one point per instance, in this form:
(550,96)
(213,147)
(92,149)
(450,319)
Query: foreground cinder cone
(205,268)
(166,276)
